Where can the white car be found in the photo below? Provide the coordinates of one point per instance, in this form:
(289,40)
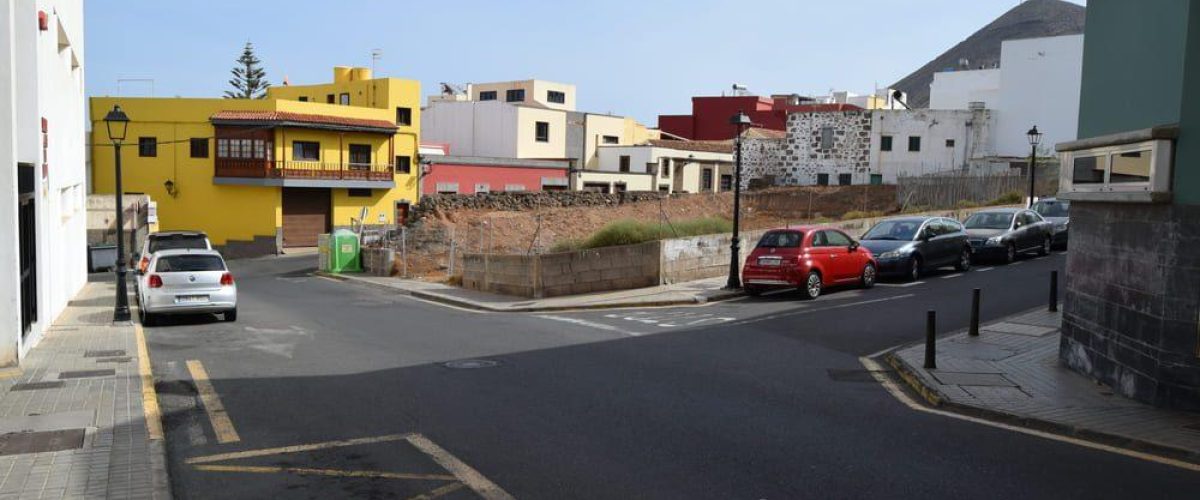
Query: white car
(186,281)
(167,240)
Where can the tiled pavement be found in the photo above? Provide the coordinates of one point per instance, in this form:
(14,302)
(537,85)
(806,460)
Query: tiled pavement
(1011,370)
(117,459)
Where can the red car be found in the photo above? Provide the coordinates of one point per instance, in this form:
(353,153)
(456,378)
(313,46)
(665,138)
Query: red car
(810,258)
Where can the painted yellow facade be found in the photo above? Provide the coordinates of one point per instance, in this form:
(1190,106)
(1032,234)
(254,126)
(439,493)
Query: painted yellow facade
(236,211)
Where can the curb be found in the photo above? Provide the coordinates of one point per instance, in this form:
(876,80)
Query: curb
(935,398)
(440,298)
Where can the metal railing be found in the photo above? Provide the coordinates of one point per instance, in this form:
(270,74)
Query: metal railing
(283,169)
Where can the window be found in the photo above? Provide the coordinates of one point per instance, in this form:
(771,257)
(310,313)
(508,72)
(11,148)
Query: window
(344,99)
(360,156)
(624,165)
(885,143)
(222,148)
(303,98)
(358,193)
(843,179)
(487,95)
(189,264)
(260,149)
(619,187)
(726,182)
(305,151)
(836,239)
(403,164)
(826,137)
(1130,166)
(914,143)
(610,139)
(199,148)
(541,131)
(512,188)
(782,239)
(447,188)
(952,226)
(706,180)
(595,187)
(404,116)
(514,95)
(147,146)
(666,168)
(482,188)
(949,143)
(822,179)
(1088,169)
(556,97)
(664,188)
(247,148)
(329,98)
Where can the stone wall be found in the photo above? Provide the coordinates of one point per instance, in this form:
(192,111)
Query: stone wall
(515,201)
(798,159)
(565,273)
(1132,296)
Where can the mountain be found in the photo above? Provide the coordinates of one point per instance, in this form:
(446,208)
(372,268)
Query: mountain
(1030,19)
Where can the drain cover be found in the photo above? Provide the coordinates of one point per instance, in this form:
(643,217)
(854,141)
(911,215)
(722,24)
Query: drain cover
(86,373)
(37,442)
(104,354)
(122,359)
(467,364)
(33,386)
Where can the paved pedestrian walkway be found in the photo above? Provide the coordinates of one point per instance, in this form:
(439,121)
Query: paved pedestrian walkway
(1011,372)
(79,391)
(691,292)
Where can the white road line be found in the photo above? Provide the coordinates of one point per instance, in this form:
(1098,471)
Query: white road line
(955,275)
(899,285)
(982,269)
(819,309)
(590,324)
(877,371)
(1017,263)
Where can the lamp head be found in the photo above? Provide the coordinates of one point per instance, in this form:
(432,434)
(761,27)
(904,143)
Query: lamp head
(117,123)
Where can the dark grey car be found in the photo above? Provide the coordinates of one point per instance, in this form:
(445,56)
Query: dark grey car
(1005,233)
(1057,212)
(909,246)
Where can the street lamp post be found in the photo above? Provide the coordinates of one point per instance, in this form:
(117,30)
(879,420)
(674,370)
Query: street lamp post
(740,121)
(117,123)
(1035,138)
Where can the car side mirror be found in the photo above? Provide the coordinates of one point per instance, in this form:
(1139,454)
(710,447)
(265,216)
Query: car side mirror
(853,246)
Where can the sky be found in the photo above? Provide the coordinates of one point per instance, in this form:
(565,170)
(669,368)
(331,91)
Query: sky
(638,58)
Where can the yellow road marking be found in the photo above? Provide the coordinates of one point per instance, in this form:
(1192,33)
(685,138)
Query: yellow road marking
(324,472)
(13,372)
(435,493)
(149,396)
(877,371)
(222,426)
(294,449)
(470,477)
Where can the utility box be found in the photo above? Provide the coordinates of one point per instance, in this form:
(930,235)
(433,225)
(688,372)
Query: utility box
(344,252)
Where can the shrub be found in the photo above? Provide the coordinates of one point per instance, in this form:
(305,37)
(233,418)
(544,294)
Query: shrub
(967,204)
(859,214)
(631,232)
(1009,198)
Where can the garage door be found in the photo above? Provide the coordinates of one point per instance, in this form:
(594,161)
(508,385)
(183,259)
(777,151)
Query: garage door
(306,214)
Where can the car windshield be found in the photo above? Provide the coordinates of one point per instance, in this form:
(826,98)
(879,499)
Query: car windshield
(989,220)
(901,230)
(1052,208)
(781,239)
(178,241)
(189,264)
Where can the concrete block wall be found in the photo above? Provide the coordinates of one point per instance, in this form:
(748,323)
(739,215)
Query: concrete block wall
(600,269)
(504,274)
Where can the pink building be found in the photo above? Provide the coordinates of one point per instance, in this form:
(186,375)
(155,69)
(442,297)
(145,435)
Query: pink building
(473,174)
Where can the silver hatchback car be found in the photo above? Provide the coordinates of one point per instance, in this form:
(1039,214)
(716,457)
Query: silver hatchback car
(186,281)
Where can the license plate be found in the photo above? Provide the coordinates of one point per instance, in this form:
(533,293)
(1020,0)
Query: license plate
(769,261)
(190,299)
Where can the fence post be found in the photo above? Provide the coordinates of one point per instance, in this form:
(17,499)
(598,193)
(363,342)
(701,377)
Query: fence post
(930,340)
(451,251)
(1053,291)
(404,249)
(974,332)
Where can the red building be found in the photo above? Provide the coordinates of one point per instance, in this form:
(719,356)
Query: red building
(473,174)
(709,120)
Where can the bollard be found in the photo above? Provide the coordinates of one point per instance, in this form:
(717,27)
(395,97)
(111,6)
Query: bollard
(930,340)
(974,331)
(1053,291)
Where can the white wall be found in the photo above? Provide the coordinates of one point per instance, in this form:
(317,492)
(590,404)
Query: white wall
(1039,85)
(472,128)
(970,131)
(688,163)
(957,89)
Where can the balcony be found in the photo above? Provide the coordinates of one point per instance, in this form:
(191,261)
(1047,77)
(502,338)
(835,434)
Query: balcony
(252,172)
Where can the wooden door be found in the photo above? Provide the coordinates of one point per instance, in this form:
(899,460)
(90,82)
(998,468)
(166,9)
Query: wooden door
(306,214)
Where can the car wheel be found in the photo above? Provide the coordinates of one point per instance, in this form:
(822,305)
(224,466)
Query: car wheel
(1010,253)
(1045,249)
(914,269)
(964,261)
(812,285)
(231,315)
(147,318)
(868,276)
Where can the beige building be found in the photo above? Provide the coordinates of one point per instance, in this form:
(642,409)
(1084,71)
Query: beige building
(660,165)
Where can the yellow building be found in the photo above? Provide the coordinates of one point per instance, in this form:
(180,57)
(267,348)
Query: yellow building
(261,176)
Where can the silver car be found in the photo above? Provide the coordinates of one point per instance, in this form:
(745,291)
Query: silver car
(186,281)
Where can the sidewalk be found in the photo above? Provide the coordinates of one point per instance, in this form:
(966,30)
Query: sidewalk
(692,292)
(77,398)
(1010,372)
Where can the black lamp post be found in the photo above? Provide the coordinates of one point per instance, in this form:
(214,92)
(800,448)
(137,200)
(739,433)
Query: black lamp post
(740,121)
(1035,138)
(117,123)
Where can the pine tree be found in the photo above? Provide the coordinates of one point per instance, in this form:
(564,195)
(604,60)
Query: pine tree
(249,80)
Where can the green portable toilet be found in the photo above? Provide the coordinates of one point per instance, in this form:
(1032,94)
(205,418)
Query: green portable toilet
(343,251)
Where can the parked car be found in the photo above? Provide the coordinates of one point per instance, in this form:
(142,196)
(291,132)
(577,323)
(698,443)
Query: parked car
(186,281)
(909,246)
(810,258)
(1008,232)
(1056,212)
(166,240)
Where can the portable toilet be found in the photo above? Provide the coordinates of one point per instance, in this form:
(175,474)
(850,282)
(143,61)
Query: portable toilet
(344,252)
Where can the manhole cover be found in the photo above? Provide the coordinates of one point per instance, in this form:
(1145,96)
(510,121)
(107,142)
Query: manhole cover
(468,364)
(37,442)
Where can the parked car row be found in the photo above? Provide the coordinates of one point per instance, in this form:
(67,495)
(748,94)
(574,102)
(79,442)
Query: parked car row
(178,272)
(811,257)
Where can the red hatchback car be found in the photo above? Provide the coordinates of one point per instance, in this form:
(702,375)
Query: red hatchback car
(810,258)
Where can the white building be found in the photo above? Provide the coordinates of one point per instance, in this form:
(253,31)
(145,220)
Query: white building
(1037,83)
(43,186)
(661,165)
(925,141)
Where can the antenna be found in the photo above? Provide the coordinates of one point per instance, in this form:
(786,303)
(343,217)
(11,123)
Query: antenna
(376,54)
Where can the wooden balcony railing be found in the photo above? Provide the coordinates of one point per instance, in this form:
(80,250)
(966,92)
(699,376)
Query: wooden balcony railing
(281,169)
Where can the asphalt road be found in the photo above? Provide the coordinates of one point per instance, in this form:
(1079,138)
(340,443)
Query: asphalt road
(754,398)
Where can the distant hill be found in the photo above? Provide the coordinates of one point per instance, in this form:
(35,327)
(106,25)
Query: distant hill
(1030,19)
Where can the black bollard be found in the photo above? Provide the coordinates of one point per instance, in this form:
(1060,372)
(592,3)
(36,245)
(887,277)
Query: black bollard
(974,331)
(930,339)
(1053,291)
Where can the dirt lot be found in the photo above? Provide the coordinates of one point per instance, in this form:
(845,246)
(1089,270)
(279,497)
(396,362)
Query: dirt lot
(495,231)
